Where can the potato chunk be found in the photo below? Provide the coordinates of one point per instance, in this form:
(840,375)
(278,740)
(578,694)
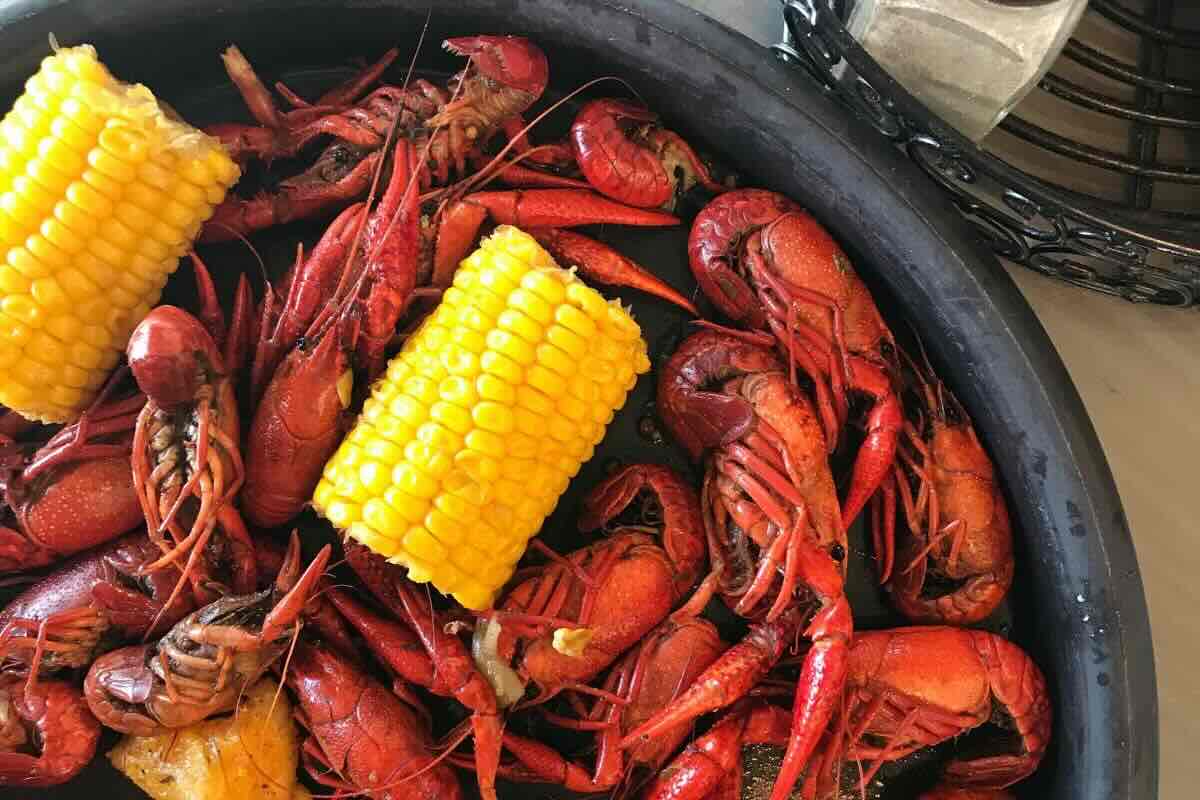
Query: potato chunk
(238,757)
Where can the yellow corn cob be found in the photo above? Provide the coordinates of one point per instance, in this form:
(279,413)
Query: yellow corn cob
(101,192)
(467,442)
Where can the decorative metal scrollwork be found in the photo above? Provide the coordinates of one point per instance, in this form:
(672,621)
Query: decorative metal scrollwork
(1050,230)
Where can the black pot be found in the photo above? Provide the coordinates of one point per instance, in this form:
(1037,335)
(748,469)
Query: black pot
(1078,606)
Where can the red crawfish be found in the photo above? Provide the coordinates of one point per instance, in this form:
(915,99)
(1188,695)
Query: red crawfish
(627,155)
(912,688)
(774,532)
(612,593)
(202,665)
(767,264)
(47,734)
(646,679)
(505,75)
(446,667)
(94,602)
(362,737)
(75,492)
(957,531)
(341,309)
(187,462)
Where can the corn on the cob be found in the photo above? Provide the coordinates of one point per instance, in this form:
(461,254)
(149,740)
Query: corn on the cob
(101,192)
(467,442)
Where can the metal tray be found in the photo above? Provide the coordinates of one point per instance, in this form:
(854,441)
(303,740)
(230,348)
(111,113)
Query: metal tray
(1077,606)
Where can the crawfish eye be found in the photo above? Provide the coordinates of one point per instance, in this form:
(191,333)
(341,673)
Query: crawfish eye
(837,552)
(887,349)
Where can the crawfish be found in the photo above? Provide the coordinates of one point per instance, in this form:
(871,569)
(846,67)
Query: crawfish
(504,76)
(912,688)
(612,593)
(646,679)
(96,601)
(445,668)
(202,665)
(625,154)
(774,528)
(75,492)
(47,734)
(187,462)
(767,264)
(372,741)
(958,527)
(304,362)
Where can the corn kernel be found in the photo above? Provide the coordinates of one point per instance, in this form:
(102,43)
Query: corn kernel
(408,478)
(383,518)
(382,545)
(546,381)
(521,325)
(446,530)
(489,387)
(423,545)
(406,505)
(439,437)
(456,508)
(502,367)
(511,346)
(374,476)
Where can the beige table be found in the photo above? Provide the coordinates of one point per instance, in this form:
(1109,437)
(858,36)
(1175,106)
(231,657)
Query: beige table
(1138,370)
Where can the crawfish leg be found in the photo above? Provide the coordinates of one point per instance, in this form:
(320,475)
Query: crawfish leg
(883,527)
(549,766)
(602,263)
(705,765)
(256,96)
(303,196)
(883,426)
(356,86)
(738,670)
(818,690)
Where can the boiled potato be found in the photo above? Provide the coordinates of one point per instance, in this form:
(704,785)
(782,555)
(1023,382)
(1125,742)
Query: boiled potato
(243,756)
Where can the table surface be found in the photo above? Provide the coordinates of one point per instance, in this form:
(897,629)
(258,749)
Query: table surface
(1134,366)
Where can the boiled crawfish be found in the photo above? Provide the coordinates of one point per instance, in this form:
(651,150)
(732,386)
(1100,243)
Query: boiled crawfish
(340,312)
(911,688)
(774,530)
(94,602)
(445,668)
(75,492)
(205,661)
(47,734)
(505,75)
(646,679)
(612,593)
(957,530)
(187,462)
(765,263)
(625,154)
(371,741)
(711,766)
